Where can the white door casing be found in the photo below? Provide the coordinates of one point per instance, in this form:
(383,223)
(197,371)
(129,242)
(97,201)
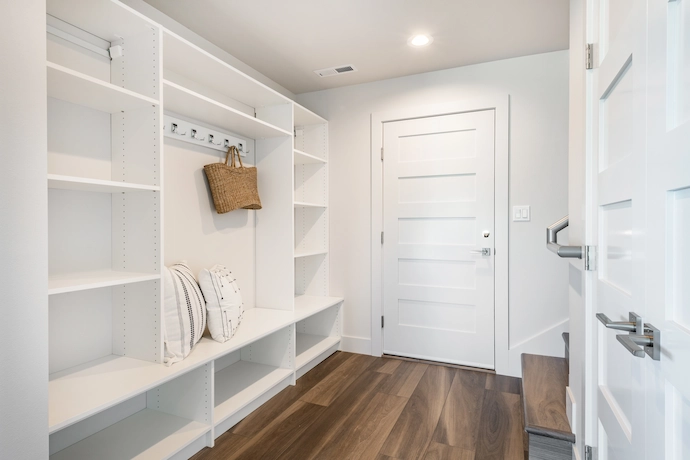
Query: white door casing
(438,217)
(640,159)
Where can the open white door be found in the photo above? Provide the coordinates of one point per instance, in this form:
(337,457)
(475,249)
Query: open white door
(438,251)
(667,274)
(640,126)
(618,127)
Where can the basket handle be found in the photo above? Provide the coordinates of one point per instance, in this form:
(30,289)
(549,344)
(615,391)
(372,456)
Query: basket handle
(234,151)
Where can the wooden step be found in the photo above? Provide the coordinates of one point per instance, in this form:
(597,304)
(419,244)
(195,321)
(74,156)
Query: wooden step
(544,380)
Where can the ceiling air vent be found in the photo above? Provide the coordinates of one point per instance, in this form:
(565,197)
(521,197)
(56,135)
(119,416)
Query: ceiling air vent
(335,71)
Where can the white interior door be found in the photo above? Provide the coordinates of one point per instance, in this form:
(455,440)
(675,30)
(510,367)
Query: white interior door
(619,149)
(438,286)
(641,191)
(667,274)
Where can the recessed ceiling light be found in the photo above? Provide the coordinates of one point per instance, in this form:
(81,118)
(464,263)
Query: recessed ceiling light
(420,40)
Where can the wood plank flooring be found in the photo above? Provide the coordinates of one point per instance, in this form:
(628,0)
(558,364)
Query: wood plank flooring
(360,407)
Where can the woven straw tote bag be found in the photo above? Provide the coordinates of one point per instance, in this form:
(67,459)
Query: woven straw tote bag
(232,186)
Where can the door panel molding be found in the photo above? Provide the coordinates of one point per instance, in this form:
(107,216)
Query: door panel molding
(501,104)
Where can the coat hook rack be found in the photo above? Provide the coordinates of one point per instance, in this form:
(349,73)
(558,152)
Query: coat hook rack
(199,135)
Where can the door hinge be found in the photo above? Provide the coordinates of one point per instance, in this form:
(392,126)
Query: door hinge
(588,453)
(381,321)
(381,237)
(589,56)
(590,256)
(381,153)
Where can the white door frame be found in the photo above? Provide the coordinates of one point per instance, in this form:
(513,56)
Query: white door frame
(501,104)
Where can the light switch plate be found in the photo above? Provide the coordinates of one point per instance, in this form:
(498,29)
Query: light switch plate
(521,214)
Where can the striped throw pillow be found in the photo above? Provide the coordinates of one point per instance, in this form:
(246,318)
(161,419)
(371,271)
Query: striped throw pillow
(184,312)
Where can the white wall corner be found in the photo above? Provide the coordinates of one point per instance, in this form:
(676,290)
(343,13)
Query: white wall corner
(547,342)
(352,344)
(23,231)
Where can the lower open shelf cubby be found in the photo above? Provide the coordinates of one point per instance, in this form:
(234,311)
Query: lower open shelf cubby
(246,377)
(311,346)
(81,391)
(147,434)
(157,424)
(241,383)
(317,332)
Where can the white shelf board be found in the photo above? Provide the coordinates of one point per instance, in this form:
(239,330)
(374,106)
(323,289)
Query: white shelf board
(83,184)
(78,88)
(299,254)
(194,63)
(107,19)
(304,117)
(304,158)
(303,204)
(308,305)
(310,346)
(241,383)
(188,103)
(84,390)
(146,434)
(59,284)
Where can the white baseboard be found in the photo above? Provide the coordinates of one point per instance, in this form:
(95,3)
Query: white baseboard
(352,344)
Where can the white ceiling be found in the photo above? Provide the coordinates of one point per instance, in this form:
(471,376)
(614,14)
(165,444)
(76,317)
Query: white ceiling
(288,40)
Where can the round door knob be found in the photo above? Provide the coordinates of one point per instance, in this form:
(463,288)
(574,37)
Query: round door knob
(486,234)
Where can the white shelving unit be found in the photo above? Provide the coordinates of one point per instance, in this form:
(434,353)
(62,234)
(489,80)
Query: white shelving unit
(318,326)
(110,396)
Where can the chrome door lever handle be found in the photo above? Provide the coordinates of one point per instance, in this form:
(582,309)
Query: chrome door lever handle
(650,343)
(632,342)
(634,325)
(482,251)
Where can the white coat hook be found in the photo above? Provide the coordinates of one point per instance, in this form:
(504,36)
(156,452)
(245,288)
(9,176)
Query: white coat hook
(175,129)
(240,147)
(210,140)
(195,135)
